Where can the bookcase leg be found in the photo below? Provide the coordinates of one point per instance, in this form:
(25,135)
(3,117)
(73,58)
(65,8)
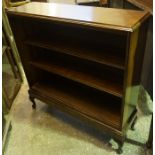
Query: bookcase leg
(133,123)
(33,102)
(120,147)
(120,143)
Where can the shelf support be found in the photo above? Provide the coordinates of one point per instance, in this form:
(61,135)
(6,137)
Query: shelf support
(120,143)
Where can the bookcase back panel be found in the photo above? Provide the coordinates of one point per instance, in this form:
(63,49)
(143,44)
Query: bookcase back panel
(52,57)
(99,40)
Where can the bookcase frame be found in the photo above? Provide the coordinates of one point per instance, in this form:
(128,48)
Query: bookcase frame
(91,70)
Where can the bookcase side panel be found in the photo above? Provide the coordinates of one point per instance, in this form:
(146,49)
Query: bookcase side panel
(17,26)
(134,61)
(130,92)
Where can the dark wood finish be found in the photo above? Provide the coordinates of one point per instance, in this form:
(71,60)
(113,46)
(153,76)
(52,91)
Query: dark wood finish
(106,18)
(81,52)
(81,101)
(147,73)
(33,101)
(134,58)
(100,83)
(89,66)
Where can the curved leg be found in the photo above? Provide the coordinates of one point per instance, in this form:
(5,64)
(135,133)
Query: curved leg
(133,123)
(120,148)
(120,143)
(33,102)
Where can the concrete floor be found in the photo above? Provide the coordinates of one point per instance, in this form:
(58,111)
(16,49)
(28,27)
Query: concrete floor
(47,131)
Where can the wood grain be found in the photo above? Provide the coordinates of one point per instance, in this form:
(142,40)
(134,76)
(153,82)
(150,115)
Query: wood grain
(102,17)
(100,83)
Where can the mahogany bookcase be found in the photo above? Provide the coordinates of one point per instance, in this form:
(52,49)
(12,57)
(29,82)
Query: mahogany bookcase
(86,61)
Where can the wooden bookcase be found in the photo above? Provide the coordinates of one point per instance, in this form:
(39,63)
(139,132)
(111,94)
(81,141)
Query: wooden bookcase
(84,60)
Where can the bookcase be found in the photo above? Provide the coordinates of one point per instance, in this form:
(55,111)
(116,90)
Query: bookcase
(83,60)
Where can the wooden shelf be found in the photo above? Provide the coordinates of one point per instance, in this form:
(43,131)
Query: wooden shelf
(96,55)
(80,100)
(86,78)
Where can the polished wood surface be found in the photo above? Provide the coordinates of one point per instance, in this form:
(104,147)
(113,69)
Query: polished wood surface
(89,71)
(135,56)
(143,4)
(102,17)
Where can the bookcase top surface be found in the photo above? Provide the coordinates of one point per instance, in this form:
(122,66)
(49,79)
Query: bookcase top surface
(110,18)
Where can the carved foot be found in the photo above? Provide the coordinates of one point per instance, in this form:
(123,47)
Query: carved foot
(120,147)
(33,102)
(133,124)
(119,150)
(34,105)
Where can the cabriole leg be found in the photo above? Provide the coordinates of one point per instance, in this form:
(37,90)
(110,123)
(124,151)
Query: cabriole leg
(120,143)
(33,102)
(120,148)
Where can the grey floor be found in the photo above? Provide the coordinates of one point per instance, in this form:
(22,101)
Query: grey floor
(47,131)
